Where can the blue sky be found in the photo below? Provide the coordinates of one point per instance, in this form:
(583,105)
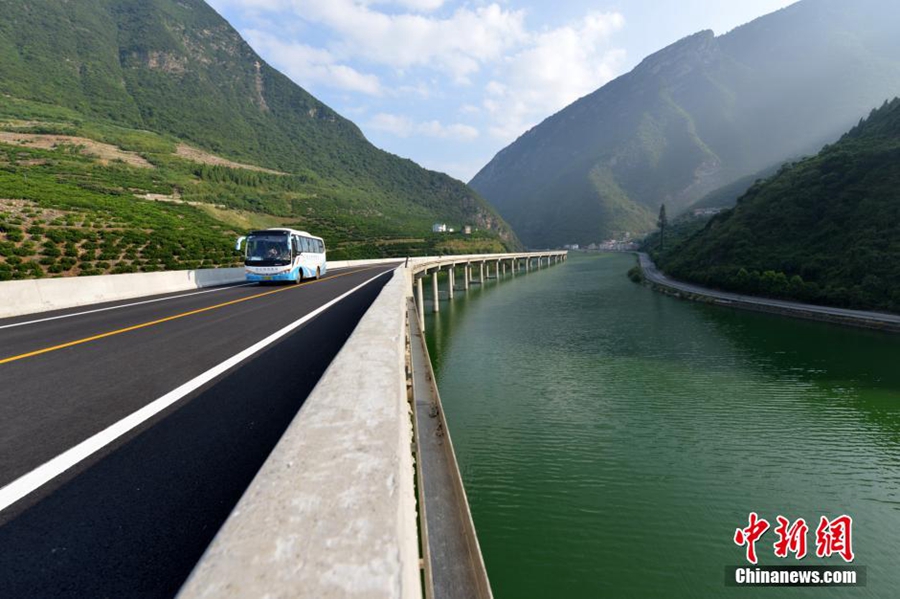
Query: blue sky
(450,83)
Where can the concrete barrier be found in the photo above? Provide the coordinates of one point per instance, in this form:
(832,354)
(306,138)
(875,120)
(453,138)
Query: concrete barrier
(879,321)
(41,295)
(332,513)
(334,264)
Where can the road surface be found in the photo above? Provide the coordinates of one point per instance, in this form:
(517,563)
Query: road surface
(877,318)
(129,430)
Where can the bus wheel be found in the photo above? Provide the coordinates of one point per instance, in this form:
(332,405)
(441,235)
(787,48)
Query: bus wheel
(299,278)
(318,272)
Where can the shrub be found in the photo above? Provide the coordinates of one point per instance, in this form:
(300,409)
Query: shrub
(636,274)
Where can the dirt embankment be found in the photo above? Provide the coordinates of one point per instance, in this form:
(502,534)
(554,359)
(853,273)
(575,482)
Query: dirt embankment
(195,155)
(103,152)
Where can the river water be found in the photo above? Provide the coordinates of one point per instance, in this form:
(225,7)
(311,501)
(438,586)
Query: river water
(612,439)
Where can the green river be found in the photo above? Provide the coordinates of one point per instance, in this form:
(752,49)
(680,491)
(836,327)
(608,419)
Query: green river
(612,439)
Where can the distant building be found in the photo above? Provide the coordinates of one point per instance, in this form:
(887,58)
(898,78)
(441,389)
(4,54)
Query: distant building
(467,230)
(571,246)
(707,211)
(618,245)
(439,228)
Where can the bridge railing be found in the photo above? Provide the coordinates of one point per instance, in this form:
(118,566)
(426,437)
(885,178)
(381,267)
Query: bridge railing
(333,511)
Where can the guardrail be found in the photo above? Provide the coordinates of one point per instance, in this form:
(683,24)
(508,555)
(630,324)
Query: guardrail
(333,512)
(42,295)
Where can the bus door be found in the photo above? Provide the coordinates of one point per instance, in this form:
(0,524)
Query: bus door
(295,247)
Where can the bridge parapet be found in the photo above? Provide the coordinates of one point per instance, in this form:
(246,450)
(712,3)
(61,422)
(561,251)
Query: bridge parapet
(333,512)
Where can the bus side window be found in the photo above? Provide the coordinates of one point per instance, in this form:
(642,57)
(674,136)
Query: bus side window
(306,246)
(294,245)
(321,245)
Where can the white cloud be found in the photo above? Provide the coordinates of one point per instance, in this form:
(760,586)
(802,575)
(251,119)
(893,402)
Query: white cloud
(411,58)
(458,44)
(402,126)
(558,67)
(308,66)
(416,5)
(462,170)
(393,124)
(419,90)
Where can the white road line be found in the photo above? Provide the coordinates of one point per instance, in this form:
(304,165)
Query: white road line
(28,483)
(159,299)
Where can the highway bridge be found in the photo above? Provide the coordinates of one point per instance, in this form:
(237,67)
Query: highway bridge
(248,440)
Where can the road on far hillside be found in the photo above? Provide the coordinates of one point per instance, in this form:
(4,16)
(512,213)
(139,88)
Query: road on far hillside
(129,431)
(655,276)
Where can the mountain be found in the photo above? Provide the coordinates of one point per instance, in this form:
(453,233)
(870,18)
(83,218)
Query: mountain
(226,138)
(695,116)
(825,229)
(727,195)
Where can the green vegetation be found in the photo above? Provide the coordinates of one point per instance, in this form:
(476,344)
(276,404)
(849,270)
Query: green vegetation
(73,217)
(636,274)
(679,229)
(147,77)
(825,229)
(698,115)
(661,223)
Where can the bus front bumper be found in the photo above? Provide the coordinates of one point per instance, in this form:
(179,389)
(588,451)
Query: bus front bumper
(262,277)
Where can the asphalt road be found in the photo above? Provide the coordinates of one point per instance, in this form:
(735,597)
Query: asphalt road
(131,517)
(651,272)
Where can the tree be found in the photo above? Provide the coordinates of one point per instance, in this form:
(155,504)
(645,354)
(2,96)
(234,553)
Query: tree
(661,222)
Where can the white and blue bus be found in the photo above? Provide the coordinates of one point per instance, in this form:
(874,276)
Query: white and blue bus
(283,255)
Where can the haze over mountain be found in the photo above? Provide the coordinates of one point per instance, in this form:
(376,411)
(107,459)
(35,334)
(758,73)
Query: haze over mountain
(825,229)
(147,75)
(695,116)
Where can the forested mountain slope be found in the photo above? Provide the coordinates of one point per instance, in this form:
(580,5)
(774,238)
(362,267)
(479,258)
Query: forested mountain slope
(226,141)
(825,229)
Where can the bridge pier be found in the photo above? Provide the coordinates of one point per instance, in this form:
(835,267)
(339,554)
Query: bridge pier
(420,297)
(452,274)
(435,293)
(481,273)
(466,275)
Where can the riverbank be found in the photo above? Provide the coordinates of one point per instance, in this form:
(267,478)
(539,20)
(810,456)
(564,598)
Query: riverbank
(855,318)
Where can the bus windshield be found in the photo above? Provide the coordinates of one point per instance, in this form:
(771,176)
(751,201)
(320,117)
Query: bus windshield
(268,248)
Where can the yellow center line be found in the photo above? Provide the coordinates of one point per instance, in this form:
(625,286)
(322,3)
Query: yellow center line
(174,317)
